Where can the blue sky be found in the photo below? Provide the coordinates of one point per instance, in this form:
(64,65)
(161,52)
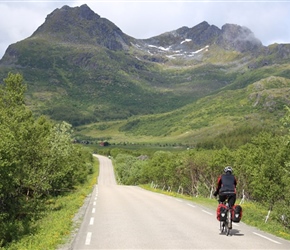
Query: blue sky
(268,20)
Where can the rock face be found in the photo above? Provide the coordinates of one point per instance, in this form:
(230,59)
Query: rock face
(81,25)
(82,68)
(230,37)
(235,37)
(202,34)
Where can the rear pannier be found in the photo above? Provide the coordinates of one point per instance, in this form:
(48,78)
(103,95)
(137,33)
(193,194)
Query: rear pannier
(237,213)
(221,212)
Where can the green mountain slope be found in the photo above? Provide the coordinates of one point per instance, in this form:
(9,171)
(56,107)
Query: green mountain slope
(82,84)
(256,107)
(83,69)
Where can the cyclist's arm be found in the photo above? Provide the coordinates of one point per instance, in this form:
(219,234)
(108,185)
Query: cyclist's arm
(219,184)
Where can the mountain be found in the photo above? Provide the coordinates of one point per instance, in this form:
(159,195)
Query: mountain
(189,41)
(82,68)
(82,26)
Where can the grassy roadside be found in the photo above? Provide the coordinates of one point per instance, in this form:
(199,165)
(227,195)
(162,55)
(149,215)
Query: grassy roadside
(55,229)
(253,214)
(56,226)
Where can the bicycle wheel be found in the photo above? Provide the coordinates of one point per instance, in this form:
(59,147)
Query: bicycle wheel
(228,223)
(222,226)
(228,230)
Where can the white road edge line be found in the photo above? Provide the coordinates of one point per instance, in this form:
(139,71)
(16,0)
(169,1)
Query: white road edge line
(92,221)
(206,212)
(190,205)
(267,238)
(88,238)
(93,210)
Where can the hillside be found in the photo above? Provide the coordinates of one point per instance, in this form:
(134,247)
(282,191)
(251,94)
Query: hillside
(81,68)
(230,113)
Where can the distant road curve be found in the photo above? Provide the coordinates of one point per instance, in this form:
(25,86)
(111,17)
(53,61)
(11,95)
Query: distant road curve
(128,217)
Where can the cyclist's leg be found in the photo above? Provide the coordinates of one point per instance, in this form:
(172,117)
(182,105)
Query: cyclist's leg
(222,198)
(231,200)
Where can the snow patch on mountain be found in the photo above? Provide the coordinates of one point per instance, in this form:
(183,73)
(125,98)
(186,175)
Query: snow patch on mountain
(170,52)
(160,47)
(186,41)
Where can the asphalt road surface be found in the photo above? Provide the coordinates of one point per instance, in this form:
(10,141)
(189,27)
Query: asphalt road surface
(128,217)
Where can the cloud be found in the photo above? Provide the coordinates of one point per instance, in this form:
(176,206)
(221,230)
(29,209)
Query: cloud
(268,20)
(17,22)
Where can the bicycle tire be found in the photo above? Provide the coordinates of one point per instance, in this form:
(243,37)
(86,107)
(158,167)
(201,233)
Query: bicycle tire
(228,232)
(226,228)
(222,226)
(228,223)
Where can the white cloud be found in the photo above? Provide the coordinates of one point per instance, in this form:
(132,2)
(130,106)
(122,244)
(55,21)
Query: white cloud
(18,22)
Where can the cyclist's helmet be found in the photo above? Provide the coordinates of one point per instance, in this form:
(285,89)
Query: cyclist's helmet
(228,169)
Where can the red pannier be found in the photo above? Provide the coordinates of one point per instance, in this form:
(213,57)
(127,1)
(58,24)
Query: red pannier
(237,213)
(221,212)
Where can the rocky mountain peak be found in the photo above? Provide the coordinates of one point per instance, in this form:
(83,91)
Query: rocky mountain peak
(193,42)
(80,25)
(82,12)
(86,13)
(238,38)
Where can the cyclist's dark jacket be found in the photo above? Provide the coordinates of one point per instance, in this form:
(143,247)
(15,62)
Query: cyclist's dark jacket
(227,184)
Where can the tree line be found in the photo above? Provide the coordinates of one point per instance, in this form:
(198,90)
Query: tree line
(37,161)
(262,167)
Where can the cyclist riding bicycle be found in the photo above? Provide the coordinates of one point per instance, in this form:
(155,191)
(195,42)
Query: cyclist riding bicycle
(226,187)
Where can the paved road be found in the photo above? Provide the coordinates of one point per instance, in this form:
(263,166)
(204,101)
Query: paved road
(128,217)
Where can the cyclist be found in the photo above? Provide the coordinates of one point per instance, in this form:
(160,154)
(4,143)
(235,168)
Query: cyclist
(226,187)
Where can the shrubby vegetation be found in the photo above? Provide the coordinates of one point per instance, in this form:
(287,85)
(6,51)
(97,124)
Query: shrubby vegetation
(37,161)
(262,167)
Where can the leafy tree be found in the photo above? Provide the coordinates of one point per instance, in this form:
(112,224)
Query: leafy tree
(37,158)
(160,169)
(284,203)
(125,167)
(262,167)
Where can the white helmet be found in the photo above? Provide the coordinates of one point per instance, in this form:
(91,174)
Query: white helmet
(228,169)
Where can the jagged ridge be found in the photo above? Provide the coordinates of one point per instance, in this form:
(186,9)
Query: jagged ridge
(83,68)
(82,25)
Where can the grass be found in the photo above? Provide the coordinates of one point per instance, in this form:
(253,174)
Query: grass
(259,105)
(55,227)
(254,214)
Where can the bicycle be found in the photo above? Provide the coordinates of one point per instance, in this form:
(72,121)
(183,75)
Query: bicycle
(226,225)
